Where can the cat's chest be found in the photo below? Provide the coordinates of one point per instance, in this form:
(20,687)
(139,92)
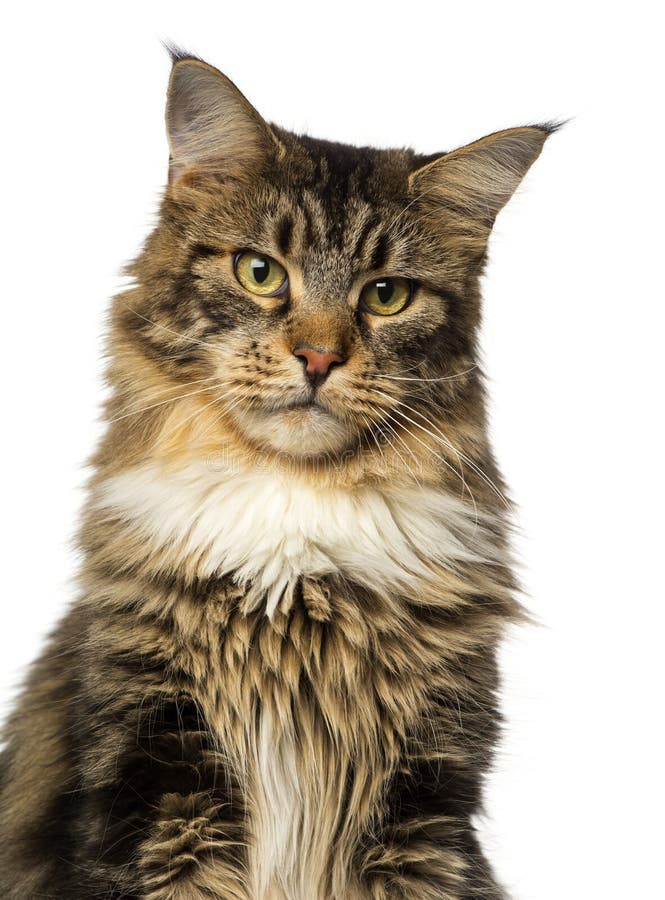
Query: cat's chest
(268,528)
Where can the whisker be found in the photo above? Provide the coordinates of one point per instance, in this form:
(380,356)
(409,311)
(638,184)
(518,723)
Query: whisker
(137,412)
(460,455)
(369,428)
(197,412)
(442,439)
(386,421)
(184,337)
(442,378)
(459,474)
(235,401)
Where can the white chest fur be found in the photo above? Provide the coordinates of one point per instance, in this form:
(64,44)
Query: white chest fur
(269,527)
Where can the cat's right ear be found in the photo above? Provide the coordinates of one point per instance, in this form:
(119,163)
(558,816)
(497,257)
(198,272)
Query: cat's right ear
(213,130)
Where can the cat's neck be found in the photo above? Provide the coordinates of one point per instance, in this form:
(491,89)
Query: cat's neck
(268,525)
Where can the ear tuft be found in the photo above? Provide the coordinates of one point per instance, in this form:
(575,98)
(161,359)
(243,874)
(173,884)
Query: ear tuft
(478,180)
(550,127)
(177,53)
(212,128)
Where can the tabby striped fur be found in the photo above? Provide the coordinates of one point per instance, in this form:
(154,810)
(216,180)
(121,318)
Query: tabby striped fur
(279,679)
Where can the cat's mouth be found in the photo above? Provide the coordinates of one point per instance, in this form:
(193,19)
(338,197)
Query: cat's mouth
(307,403)
(299,427)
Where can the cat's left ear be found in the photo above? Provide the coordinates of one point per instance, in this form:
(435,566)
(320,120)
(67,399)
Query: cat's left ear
(212,128)
(477,180)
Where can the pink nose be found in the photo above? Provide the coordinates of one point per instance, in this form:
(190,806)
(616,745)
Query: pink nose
(318,362)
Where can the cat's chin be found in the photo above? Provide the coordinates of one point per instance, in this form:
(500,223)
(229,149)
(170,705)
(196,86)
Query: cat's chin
(298,431)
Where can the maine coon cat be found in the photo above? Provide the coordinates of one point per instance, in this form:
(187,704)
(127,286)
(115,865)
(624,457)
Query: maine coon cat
(279,679)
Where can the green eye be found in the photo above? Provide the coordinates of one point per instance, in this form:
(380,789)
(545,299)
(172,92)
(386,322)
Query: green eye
(259,274)
(386,296)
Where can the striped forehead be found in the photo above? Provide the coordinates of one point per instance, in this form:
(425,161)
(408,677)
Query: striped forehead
(354,236)
(343,209)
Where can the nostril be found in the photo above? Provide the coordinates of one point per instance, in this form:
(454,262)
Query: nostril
(318,363)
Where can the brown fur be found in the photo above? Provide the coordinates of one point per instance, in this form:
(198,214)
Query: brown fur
(130,769)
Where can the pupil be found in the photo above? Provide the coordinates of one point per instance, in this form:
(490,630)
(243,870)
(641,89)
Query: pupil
(260,269)
(384,290)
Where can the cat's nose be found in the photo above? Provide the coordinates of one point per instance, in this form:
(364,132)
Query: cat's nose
(318,363)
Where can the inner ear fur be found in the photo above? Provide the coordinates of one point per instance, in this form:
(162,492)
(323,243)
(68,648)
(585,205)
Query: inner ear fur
(212,128)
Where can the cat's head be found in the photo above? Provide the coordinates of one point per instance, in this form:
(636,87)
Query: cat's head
(328,293)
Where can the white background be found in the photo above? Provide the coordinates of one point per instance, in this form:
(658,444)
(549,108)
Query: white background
(573,338)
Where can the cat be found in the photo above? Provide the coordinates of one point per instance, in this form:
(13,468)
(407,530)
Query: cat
(280,679)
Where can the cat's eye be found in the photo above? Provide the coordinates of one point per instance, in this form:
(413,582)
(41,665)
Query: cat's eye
(260,274)
(386,296)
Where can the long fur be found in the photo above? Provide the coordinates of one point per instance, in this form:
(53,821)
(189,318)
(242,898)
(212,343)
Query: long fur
(279,679)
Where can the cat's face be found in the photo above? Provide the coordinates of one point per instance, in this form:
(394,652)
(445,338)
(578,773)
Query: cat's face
(327,293)
(321,267)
